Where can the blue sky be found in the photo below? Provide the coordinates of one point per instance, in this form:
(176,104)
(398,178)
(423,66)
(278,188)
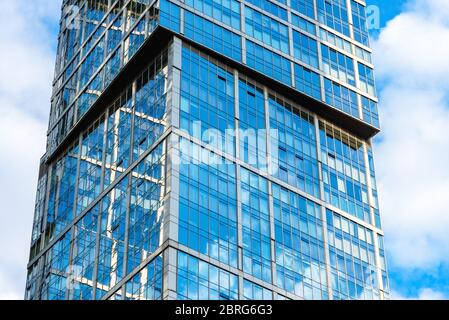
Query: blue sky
(412,152)
(411,50)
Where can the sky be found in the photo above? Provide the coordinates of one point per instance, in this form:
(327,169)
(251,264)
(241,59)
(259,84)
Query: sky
(411,48)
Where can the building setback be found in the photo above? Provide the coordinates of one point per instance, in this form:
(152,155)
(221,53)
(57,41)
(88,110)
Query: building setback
(210,149)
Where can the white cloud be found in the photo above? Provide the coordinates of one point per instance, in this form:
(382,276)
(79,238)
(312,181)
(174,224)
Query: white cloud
(413,150)
(26,68)
(429,294)
(424,294)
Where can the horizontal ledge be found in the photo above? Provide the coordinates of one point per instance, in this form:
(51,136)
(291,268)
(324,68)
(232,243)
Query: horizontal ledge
(154,44)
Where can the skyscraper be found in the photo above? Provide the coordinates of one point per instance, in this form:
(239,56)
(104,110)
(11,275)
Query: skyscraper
(210,149)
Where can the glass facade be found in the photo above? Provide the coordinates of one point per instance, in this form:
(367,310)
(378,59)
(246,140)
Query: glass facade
(217,170)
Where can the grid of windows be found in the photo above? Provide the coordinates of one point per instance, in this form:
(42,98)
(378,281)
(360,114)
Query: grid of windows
(305,49)
(303,24)
(344,173)
(147,284)
(305,7)
(370,112)
(150,106)
(170,15)
(61,198)
(334,14)
(252,291)
(112,238)
(338,65)
(207,203)
(32,282)
(383,264)
(226,11)
(84,253)
(341,97)
(92,63)
(253,142)
(107,223)
(374,194)
(81,79)
(39,212)
(135,39)
(212,36)
(294,156)
(352,259)
(307,81)
(363,54)
(118,138)
(198,280)
(270,7)
(207,100)
(268,62)
(366,77)
(255,226)
(359,23)
(91,165)
(335,40)
(266,29)
(145,207)
(300,260)
(56,270)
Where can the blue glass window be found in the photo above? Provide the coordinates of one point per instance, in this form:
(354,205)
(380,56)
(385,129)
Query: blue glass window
(270,7)
(226,11)
(370,112)
(293,149)
(118,138)
(207,101)
(300,259)
(341,98)
(303,24)
(266,29)
(307,81)
(146,203)
(89,184)
(338,65)
(305,49)
(147,284)
(199,280)
(150,106)
(268,62)
(344,172)
(112,238)
(363,54)
(208,203)
(383,263)
(337,41)
(54,286)
(305,7)
(255,226)
(253,142)
(252,291)
(366,77)
(84,253)
(169,15)
(212,36)
(62,184)
(352,259)
(359,23)
(334,14)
